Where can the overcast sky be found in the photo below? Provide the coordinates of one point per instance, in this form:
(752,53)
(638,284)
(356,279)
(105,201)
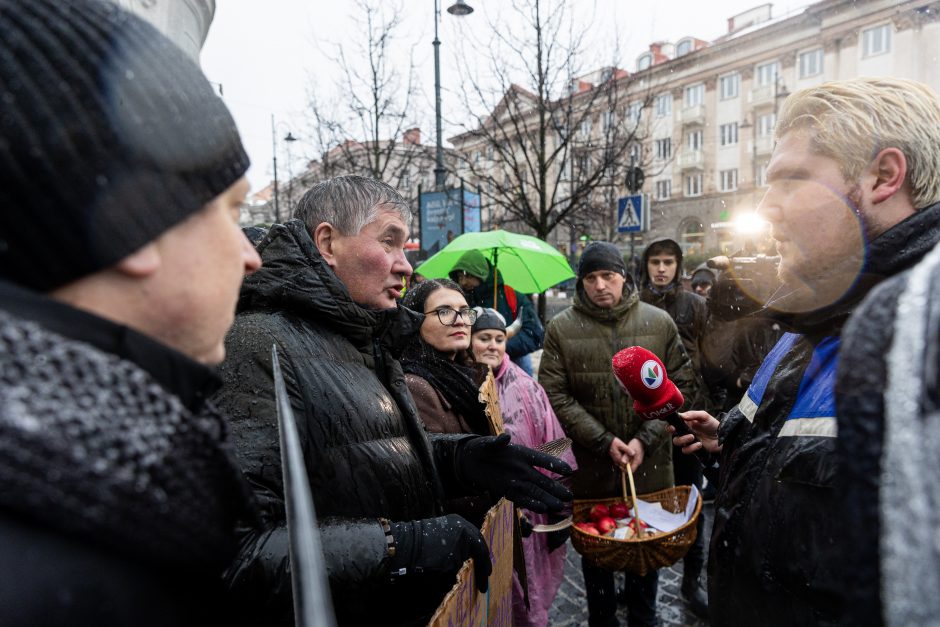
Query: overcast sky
(267,56)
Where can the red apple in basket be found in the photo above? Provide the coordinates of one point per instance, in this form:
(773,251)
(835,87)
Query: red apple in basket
(599,511)
(619,510)
(632,525)
(587,527)
(606,525)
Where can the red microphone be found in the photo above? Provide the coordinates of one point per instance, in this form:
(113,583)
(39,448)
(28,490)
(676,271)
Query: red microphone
(655,397)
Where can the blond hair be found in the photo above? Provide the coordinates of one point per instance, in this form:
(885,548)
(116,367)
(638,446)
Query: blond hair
(851,121)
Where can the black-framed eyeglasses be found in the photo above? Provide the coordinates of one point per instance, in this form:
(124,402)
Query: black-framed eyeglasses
(448,316)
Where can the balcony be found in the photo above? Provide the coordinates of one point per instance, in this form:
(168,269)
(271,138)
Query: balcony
(691,159)
(694,114)
(763,95)
(764,145)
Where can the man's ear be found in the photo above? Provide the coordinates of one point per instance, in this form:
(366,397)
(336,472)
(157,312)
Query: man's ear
(888,171)
(324,237)
(141,263)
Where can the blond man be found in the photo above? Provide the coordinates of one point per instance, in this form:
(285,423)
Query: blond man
(853,187)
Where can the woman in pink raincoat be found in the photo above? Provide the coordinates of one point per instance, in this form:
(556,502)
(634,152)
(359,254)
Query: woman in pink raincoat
(531,422)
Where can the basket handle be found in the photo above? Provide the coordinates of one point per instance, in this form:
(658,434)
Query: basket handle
(623,485)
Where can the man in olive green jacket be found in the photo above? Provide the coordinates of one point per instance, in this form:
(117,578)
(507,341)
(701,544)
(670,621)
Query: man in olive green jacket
(597,414)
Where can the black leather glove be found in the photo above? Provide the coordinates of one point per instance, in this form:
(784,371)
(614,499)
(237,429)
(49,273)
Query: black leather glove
(492,463)
(441,545)
(555,539)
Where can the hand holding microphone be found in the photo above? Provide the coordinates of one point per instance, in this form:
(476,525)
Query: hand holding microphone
(655,397)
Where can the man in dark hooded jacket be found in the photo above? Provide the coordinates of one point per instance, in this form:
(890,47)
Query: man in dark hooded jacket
(328,299)
(121,178)
(661,287)
(852,200)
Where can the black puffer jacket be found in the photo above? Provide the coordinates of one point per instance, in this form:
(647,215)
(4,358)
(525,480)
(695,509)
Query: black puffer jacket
(366,453)
(890,473)
(778,548)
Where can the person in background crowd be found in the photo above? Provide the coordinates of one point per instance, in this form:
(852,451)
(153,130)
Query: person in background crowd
(852,199)
(120,263)
(597,414)
(328,298)
(529,419)
(440,374)
(662,265)
(475,276)
(703,279)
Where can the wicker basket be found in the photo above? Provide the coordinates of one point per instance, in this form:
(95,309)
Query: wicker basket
(637,555)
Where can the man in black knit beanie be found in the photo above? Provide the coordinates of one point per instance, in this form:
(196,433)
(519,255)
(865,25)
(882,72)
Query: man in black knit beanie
(121,178)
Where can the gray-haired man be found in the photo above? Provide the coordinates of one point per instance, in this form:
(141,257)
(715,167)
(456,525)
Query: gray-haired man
(328,299)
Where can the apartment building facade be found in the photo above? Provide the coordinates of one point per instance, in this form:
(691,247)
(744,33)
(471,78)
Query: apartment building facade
(705,111)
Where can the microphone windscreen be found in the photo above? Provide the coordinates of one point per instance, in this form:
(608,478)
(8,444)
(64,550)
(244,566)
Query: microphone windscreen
(643,376)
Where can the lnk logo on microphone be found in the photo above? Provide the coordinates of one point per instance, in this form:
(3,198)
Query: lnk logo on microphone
(652,374)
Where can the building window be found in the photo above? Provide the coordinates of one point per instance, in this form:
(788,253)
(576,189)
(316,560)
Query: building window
(663,105)
(876,40)
(476,156)
(693,185)
(811,63)
(644,61)
(663,189)
(730,85)
(762,175)
(766,73)
(663,148)
(609,118)
(728,134)
(634,152)
(586,127)
(683,47)
(728,180)
(634,111)
(694,95)
(695,140)
(765,124)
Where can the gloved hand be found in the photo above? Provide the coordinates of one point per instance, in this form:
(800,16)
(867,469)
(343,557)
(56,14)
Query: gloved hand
(555,539)
(492,463)
(441,545)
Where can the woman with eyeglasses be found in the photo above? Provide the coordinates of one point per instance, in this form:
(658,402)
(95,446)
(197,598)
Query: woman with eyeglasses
(438,368)
(531,422)
(441,375)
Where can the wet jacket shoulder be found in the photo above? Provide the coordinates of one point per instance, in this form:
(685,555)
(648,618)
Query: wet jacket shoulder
(576,373)
(120,497)
(884,427)
(779,465)
(366,453)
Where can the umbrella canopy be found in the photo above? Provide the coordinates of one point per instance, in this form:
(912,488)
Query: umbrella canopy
(527,264)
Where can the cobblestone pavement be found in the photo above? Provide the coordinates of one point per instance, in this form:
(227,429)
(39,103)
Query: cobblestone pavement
(570,607)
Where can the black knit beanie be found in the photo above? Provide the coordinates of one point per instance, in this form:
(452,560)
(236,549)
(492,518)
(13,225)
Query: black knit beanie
(109,136)
(600,256)
(488,318)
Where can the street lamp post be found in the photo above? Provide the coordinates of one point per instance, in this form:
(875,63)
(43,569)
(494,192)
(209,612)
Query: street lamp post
(289,138)
(459,8)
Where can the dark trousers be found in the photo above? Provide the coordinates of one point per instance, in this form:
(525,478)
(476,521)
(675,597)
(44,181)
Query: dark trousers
(688,471)
(602,598)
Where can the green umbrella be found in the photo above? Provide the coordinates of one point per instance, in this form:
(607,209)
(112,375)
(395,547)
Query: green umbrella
(527,264)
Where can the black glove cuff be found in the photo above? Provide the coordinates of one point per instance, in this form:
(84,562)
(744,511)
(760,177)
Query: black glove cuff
(404,536)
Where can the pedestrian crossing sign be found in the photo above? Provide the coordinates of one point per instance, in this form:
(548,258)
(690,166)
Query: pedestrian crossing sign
(631,214)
